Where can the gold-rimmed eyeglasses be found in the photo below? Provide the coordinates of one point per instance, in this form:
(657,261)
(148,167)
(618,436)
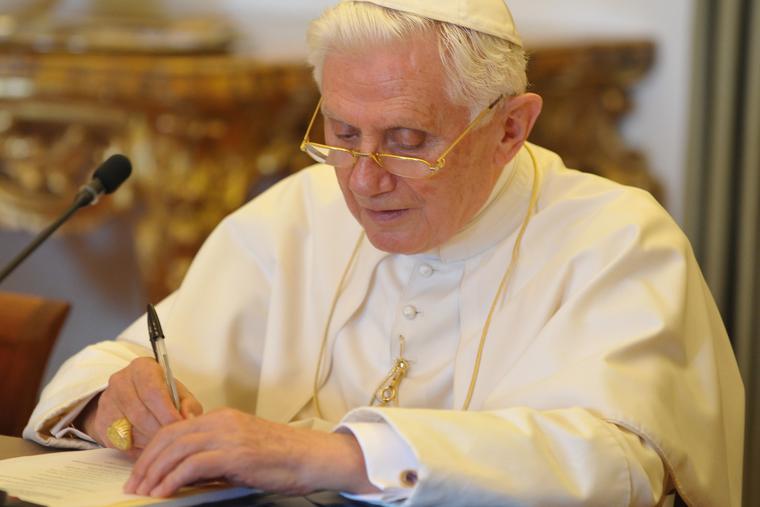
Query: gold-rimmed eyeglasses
(400,165)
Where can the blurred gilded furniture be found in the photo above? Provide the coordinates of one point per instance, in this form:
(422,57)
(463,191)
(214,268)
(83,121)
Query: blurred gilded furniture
(586,94)
(201,131)
(29,327)
(207,130)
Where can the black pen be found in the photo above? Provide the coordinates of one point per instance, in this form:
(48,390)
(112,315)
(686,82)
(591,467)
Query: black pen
(159,351)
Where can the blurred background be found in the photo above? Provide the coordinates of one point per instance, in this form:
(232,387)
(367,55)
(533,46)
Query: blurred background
(210,99)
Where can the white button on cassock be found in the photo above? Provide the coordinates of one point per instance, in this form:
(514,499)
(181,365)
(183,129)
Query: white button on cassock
(410,312)
(425,270)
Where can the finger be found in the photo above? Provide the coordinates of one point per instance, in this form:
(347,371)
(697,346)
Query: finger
(189,408)
(156,447)
(189,404)
(121,400)
(131,405)
(106,417)
(149,384)
(121,396)
(204,465)
(179,450)
(140,440)
(208,423)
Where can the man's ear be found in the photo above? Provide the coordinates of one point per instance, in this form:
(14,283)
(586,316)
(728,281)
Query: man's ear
(517,119)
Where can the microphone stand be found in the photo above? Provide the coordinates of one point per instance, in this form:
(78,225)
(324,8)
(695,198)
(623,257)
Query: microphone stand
(106,179)
(82,199)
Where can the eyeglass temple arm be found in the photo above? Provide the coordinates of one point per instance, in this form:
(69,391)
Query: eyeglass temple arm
(311,123)
(439,163)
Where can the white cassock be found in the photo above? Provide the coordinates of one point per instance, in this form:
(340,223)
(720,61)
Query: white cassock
(606,376)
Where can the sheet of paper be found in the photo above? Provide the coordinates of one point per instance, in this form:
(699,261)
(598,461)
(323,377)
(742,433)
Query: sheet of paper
(90,479)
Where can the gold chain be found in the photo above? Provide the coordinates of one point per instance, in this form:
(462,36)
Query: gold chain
(503,285)
(317,374)
(401,366)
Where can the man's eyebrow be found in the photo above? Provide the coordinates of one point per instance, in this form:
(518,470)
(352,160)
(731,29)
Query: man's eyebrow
(427,126)
(325,111)
(339,121)
(395,127)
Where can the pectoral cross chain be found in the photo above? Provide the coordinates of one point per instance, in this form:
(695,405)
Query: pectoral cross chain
(387,391)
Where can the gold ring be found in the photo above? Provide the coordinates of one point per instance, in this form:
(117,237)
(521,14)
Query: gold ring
(120,434)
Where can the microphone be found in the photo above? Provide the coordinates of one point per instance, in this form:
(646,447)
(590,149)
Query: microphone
(106,179)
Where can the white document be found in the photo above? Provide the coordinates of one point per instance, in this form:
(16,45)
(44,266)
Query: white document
(91,479)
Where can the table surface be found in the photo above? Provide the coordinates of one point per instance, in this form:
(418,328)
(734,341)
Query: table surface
(12,447)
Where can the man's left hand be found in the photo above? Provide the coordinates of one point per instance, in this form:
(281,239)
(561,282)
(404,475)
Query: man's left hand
(246,450)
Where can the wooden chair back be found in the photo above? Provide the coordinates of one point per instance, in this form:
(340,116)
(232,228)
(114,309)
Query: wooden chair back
(29,326)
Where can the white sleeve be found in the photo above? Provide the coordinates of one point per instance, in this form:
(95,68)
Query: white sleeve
(391,465)
(211,306)
(515,456)
(78,380)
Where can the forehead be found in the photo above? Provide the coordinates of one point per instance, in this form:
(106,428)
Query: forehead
(400,82)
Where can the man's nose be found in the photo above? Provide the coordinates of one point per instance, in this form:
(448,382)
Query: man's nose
(368,178)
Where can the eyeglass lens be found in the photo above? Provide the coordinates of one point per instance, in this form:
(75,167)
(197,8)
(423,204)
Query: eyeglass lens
(343,159)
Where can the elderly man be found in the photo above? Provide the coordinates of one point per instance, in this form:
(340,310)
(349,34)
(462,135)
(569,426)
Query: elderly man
(477,324)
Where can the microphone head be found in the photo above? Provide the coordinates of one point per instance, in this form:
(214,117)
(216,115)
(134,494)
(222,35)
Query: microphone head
(113,172)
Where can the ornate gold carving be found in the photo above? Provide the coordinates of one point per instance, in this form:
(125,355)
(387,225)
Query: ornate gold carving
(47,151)
(586,93)
(203,133)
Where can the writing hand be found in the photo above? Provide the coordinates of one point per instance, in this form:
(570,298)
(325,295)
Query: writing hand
(139,393)
(250,451)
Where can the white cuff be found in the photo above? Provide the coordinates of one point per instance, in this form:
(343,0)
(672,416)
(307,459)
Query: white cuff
(64,428)
(391,465)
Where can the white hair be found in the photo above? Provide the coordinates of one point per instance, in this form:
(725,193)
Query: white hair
(481,66)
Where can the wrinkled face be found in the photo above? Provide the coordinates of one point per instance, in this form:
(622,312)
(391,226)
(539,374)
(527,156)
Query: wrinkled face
(391,99)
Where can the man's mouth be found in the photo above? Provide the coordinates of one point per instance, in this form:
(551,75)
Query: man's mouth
(385,215)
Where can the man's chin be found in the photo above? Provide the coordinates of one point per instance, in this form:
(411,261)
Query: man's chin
(397,242)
